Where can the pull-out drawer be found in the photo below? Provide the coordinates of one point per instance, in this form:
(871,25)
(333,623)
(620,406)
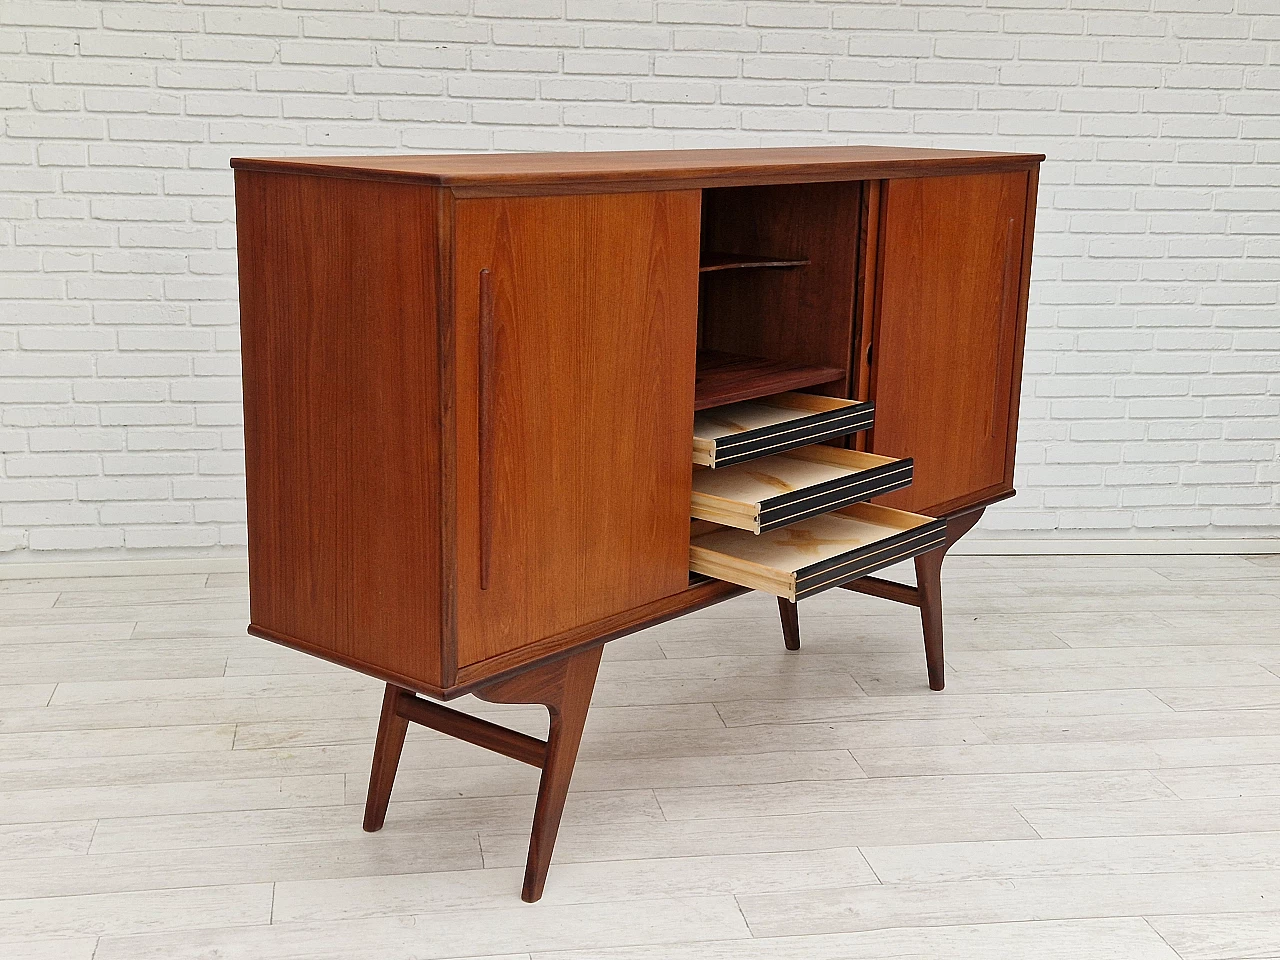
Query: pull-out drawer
(756,428)
(805,558)
(786,487)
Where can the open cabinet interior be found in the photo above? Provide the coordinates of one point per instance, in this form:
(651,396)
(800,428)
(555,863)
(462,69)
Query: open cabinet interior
(776,291)
(779,498)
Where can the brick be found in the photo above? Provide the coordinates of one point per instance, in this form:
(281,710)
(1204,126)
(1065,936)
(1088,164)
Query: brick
(532,8)
(52,465)
(705,65)
(614,115)
(132,16)
(141,438)
(52,127)
(611,63)
(75,538)
(154,47)
(241,49)
(102,74)
(56,440)
(48,514)
(150,512)
(66,338)
(784,68)
(323,81)
(207,488)
(14,491)
(134,464)
(536,35)
(37,14)
(532,60)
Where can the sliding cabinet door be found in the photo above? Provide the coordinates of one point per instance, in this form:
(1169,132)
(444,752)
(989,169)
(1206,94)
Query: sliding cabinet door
(947,342)
(576,326)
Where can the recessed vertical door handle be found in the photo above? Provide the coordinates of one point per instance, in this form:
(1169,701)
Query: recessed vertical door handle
(1003,320)
(485,400)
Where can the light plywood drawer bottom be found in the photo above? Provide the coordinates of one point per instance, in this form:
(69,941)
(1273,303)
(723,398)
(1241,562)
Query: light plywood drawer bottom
(805,558)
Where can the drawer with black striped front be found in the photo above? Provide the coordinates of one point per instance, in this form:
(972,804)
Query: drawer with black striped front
(786,487)
(805,558)
(757,428)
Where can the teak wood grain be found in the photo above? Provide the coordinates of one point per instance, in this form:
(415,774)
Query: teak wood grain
(644,170)
(947,331)
(470,390)
(802,315)
(564,688)
(594,314)
(307,247)
(729,377)
(342,436)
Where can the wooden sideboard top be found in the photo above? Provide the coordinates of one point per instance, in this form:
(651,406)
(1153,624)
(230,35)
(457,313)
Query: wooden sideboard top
(478,174)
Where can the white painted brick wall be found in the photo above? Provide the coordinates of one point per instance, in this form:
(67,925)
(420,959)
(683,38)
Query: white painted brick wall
(1152,396)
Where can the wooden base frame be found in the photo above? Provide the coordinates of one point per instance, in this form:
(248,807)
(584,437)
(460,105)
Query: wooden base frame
(927,595)
(564,687)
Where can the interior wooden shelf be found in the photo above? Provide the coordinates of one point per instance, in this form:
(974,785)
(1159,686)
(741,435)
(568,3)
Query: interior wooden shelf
(729,377)
(737,261)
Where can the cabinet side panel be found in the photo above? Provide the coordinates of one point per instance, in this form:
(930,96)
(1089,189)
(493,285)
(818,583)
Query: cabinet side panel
(947,337)
(338,287)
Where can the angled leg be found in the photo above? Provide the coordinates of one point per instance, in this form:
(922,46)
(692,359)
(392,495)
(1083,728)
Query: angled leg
(564,688)
(790,616)
(929,593)
(929,590)
(926,594)
(386,758)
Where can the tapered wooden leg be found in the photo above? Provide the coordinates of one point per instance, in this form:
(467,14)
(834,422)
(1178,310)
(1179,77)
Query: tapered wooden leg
(929,593)
(790,616)
(926,594)
(565,689)
(929,585)
(386,758)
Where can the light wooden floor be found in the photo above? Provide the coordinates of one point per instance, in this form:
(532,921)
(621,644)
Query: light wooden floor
(1101,779)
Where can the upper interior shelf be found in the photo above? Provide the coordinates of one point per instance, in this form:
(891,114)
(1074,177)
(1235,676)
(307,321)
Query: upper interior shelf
(712,262)
(729,377)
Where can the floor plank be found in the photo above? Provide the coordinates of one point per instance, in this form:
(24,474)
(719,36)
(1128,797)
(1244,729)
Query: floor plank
(984,860)
(1206,783)
(1127,938)
(291,825)
(887,823)
(760,800)
(80,949)
(393,851)
(129,741)
(632,774)
(492,931)
(1155,817)
(1012,758)
(127,800)
(136,912)
(617,881)
(1222,936)
(855,908)
(65,838)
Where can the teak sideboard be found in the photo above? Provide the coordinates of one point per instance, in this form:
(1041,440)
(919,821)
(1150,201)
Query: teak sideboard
(501,409)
